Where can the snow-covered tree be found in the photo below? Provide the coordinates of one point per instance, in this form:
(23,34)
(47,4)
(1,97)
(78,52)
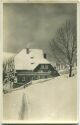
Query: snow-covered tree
(9,71)
(64,45)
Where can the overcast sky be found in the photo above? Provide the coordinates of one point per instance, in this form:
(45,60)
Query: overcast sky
(34,25)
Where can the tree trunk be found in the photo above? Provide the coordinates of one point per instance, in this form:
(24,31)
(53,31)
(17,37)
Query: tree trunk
(70,71)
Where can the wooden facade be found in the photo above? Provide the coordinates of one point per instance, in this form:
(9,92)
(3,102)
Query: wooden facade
(32,64)
(42,71)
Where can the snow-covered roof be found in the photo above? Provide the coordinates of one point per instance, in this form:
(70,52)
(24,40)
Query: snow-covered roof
(30,61)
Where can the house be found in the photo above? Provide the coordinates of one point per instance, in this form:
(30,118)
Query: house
(32,64)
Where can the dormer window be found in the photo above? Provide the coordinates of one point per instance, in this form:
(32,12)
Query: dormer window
(32,63)
(32,57)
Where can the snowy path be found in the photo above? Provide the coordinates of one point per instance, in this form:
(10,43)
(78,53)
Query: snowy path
(46,102)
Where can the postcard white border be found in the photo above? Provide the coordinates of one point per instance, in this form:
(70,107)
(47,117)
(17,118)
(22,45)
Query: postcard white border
(1,61)
(1,51)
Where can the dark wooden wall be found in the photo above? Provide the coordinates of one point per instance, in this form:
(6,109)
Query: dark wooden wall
(54,72)
(24,76)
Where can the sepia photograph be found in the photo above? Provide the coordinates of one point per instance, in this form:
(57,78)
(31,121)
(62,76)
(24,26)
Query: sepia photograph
(40,62)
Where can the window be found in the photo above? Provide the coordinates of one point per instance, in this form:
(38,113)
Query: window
(46,66)
(32,63)
(42,66)
(23,79)
(46,77)
(32,57)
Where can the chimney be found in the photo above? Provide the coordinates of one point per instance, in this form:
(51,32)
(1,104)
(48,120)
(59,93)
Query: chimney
(45,55)
(27,50)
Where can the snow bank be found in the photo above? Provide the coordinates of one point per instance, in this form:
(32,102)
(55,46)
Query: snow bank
(49,101)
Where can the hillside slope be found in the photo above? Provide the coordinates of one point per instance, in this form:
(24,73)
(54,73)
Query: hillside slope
(49,101)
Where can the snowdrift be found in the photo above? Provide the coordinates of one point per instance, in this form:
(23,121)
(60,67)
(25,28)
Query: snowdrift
(51,101)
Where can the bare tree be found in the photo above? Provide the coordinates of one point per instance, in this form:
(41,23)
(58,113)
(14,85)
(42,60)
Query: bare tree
(64,45)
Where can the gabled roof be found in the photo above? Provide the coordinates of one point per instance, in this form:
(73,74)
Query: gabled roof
(30,61)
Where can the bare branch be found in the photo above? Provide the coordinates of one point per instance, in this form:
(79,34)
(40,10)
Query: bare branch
(64,45)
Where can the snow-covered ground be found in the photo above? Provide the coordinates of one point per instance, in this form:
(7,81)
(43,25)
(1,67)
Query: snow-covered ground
(54,100)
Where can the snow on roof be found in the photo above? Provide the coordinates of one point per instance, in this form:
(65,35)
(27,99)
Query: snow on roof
(30,61)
